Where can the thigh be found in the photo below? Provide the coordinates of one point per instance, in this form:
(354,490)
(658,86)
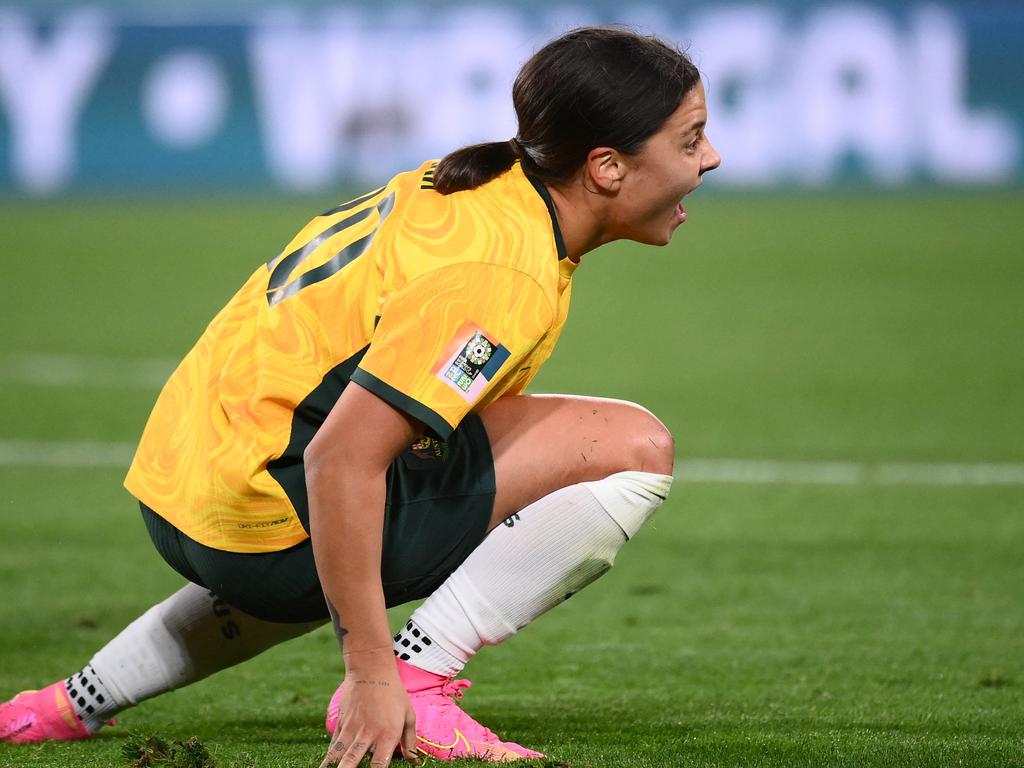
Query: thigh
(541,443)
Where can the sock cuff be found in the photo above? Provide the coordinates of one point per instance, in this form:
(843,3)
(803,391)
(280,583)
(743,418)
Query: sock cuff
(414,645)
(90,698)
(631,498)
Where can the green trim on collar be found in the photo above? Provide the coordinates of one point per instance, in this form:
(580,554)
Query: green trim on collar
(546,197)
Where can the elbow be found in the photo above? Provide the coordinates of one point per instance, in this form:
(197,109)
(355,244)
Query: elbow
(321,482)
(328,462)
(315,459)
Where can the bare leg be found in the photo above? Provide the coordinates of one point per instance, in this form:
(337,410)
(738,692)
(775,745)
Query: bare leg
(542,443)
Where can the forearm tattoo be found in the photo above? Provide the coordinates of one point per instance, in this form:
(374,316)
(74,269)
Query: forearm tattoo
(339,631)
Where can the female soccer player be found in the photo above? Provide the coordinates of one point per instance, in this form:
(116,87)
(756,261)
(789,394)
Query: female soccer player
(351,432)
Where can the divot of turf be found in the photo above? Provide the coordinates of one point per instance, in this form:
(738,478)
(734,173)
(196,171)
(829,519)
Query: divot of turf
(155,752)
(993,680)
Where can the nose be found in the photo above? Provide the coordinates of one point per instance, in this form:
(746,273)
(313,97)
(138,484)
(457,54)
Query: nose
(710,160)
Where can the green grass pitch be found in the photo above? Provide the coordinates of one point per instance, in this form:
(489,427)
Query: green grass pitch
(751,624)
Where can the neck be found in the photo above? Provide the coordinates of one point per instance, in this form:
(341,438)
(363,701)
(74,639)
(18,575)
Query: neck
(579,217)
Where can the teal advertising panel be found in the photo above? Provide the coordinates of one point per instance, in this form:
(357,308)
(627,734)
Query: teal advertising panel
(301,97)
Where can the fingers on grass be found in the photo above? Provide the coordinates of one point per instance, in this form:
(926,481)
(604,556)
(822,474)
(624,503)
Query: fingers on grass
(408,743)
(383,750)
(410,751)
(355,753)
(335,753)
(411,754)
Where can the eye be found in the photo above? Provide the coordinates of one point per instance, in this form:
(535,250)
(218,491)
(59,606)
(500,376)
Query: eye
(692,146)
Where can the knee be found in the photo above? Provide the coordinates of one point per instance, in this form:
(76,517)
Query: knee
(651,447)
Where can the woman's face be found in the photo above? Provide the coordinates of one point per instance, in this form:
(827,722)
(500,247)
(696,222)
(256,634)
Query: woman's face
(669,166)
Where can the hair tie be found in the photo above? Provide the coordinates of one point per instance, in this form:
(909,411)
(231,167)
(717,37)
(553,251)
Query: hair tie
(523,153)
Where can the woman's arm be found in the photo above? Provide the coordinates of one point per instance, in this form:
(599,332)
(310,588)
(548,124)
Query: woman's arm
(346,468)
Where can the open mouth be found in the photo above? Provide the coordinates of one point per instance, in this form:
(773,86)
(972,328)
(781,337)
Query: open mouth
(680,212)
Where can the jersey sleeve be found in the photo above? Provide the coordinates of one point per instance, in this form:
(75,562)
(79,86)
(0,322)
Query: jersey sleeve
(451,336)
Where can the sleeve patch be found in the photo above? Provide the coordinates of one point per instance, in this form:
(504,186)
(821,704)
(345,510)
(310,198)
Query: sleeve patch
(470,361)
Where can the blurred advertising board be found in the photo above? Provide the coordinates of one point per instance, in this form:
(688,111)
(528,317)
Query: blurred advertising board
(305,97)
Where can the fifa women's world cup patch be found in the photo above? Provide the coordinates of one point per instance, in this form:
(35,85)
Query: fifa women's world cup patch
(471,361)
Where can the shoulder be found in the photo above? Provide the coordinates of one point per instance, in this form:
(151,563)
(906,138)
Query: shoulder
(504,223)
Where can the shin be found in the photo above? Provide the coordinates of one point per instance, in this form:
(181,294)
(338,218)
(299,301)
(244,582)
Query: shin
(537,559)
(188,636)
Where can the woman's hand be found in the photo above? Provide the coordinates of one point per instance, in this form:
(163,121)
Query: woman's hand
(376,717)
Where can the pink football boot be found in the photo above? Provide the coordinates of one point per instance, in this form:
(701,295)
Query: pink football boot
(44,715)
(443,730)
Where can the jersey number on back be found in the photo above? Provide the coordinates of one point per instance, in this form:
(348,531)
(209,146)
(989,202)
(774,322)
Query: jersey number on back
(281,284)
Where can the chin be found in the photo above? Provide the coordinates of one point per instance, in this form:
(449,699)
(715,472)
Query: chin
(665,238)
(653,235)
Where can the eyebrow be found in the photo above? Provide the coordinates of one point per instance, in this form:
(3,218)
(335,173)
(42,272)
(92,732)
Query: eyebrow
(695,127)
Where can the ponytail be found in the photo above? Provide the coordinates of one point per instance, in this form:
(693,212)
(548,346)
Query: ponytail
(472,166)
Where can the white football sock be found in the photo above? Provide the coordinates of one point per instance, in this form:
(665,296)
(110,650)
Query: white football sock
(187,637)
(89,697)
(539,558)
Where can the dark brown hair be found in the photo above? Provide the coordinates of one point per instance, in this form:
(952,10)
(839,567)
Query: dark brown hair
(592,87)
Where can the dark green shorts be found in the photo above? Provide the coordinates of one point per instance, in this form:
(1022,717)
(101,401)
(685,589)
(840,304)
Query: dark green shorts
(440,497)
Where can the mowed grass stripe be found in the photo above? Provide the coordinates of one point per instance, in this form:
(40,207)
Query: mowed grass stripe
(26,453)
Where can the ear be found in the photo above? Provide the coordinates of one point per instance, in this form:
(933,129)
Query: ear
(606,169)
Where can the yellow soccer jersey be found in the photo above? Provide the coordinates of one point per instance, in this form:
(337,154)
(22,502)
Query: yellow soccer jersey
(439,304)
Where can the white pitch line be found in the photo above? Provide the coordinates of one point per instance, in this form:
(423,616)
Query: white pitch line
(85,371)
(752,471)
(26,453)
